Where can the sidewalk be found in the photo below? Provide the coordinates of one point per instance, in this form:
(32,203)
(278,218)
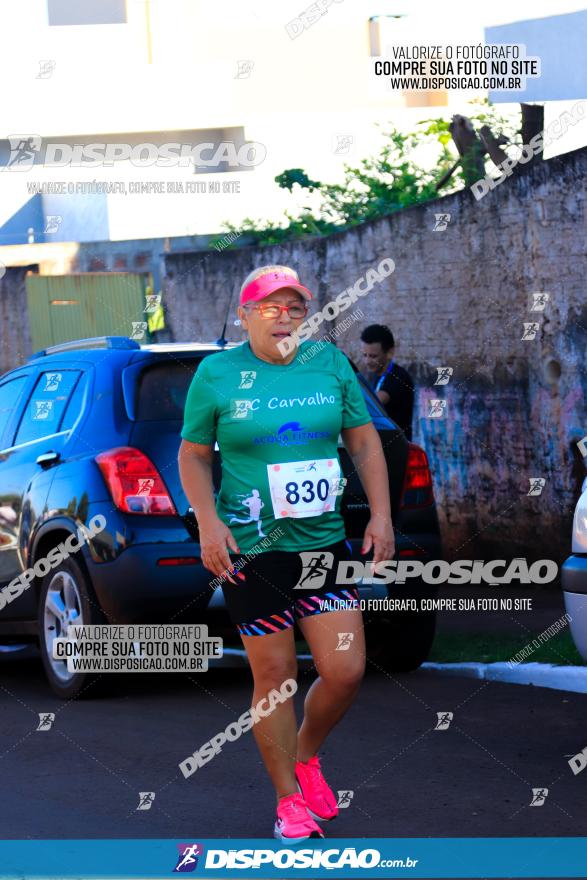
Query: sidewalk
(490,627)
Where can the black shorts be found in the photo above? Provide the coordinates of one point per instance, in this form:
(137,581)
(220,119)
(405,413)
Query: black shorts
(282,586)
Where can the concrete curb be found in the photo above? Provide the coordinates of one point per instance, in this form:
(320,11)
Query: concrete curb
(561,678)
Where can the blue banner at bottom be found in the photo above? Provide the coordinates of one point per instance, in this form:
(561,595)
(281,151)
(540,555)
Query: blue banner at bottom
(454,857)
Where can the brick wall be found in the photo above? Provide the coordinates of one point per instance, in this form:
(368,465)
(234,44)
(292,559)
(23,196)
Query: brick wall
(15,337)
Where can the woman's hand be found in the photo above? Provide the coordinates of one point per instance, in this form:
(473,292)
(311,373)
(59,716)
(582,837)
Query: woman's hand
(379,535)
(214,538)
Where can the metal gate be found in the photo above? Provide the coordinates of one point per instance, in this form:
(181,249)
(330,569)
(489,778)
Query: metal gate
(66,307)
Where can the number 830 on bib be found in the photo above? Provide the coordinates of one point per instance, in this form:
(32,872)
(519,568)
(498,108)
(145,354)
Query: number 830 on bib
(304,488)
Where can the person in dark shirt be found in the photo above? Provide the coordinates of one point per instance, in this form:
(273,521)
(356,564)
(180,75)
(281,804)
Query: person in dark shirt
(392,384)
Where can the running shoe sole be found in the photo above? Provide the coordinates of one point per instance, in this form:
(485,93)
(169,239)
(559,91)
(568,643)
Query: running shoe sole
(279,836)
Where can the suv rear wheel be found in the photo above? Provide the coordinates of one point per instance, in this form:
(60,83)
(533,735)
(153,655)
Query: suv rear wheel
(402,642)
(66,598)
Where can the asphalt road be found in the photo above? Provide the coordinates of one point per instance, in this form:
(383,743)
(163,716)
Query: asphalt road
(82,777)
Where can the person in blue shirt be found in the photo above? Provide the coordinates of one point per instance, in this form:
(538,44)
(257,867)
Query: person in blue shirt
(392,384)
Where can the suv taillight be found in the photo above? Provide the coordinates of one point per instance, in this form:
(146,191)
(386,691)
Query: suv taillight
(134,482)
(417,488)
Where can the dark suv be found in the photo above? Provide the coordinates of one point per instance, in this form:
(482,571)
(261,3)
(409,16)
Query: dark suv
(83,426)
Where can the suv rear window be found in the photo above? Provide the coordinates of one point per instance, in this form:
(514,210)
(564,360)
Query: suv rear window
(163,387)
(162,390)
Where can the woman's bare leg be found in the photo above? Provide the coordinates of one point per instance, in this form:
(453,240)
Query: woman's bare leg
(340,674)
(273,661)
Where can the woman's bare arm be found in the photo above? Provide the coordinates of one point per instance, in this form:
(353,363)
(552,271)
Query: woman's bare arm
(364,446)
(195,471)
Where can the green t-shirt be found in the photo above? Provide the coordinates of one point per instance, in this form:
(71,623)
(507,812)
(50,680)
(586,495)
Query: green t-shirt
(277,428)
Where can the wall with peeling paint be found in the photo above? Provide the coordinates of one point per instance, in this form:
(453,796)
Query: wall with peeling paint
(459,298)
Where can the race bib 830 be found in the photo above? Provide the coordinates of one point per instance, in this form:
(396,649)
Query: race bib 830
(304,488)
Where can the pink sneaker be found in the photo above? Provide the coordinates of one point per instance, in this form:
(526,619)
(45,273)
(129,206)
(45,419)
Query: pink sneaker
(293,821)
(318,796)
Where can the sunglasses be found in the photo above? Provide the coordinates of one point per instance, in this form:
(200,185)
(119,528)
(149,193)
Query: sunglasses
(274,310)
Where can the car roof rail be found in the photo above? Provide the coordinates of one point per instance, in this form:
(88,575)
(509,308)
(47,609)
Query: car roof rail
(117,342)
(162,347)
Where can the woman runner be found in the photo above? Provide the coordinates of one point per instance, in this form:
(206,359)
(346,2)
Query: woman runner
(277,419)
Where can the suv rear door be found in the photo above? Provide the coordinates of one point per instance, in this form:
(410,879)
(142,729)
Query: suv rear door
(34,431)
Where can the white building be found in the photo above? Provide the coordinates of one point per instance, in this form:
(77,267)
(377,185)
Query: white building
(167,71)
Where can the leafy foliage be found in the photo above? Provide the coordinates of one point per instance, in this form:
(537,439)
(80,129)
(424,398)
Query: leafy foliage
(405,172)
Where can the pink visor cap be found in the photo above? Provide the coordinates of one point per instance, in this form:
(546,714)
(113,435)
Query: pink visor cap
(267,284)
